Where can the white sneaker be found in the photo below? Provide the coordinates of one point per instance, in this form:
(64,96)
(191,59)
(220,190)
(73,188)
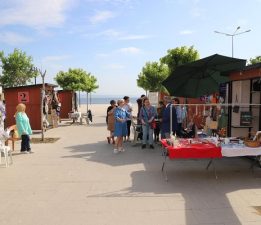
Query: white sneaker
(115,151)
(122,150)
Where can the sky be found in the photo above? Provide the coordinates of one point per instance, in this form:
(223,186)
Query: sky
(113,39)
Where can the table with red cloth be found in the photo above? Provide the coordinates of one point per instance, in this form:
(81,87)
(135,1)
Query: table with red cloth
(196,149)
(191,149)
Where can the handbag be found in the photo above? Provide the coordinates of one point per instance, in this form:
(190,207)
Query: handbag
(236,107)
(153,124)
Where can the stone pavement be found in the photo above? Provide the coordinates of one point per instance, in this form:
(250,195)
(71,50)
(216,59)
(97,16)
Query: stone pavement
(78,180)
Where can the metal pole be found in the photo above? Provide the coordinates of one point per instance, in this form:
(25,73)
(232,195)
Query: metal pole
(79,93)
(232,36)
(170,119)
(87,102)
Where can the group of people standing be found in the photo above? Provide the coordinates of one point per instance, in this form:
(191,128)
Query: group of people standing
(158,121)
(154,121)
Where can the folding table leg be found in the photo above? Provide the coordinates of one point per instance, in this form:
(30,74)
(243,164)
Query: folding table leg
(163,165)
(255,162)
(164,153)
(214,169)
(212,162)
(209,163)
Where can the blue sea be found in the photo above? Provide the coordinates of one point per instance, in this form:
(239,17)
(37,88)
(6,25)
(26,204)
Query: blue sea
(104,100)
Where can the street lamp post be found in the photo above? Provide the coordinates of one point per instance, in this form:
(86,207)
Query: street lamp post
(232,36)
(229,84)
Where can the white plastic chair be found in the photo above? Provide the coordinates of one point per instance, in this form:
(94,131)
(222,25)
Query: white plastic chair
(7,154)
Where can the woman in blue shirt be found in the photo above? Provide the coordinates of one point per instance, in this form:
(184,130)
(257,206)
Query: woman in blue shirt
(147,115)
(120,129)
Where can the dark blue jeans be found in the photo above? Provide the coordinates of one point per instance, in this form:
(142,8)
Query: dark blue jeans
(25,144)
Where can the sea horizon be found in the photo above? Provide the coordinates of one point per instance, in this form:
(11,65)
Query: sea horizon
(104,100)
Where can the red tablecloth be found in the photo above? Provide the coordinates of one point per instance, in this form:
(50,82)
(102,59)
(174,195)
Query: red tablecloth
(194,150)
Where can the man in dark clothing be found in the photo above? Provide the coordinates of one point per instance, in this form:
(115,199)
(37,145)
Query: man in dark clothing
(165,125)
(139,102)
(160,111)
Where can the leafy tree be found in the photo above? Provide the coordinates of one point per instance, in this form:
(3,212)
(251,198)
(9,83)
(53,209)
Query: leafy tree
(152,75)
(255,60)
(90,86)
(16,69)
(77,80)
(179,56)
(74,79)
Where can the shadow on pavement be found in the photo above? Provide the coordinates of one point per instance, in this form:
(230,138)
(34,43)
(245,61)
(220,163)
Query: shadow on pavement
(190,186)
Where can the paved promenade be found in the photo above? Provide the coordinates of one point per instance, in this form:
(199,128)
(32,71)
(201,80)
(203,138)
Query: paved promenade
(79,181)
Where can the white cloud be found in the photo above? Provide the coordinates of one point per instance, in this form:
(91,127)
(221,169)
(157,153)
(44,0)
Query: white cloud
(101,16)
(102,55)
(114,2)
(134,37)
(54,58)
(185,32)
(197,12)
(12,38)
(114,34)
(115,66)
(110,33)
(130,50)
(34,13)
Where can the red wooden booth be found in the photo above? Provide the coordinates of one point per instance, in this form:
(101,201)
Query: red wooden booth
(30,95)
(68,100)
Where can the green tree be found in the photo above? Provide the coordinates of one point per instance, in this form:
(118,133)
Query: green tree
(73,79)
(255,60)
(90,86)
(16,69)
(178,56)
(152,75)
(77,80)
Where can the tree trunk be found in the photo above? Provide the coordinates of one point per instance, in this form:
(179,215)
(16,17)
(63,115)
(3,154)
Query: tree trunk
(87,101)
(79,93)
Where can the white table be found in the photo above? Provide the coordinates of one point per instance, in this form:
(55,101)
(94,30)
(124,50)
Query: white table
(239,150)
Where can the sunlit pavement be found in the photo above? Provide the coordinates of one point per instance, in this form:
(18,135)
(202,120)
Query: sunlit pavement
(78,180)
